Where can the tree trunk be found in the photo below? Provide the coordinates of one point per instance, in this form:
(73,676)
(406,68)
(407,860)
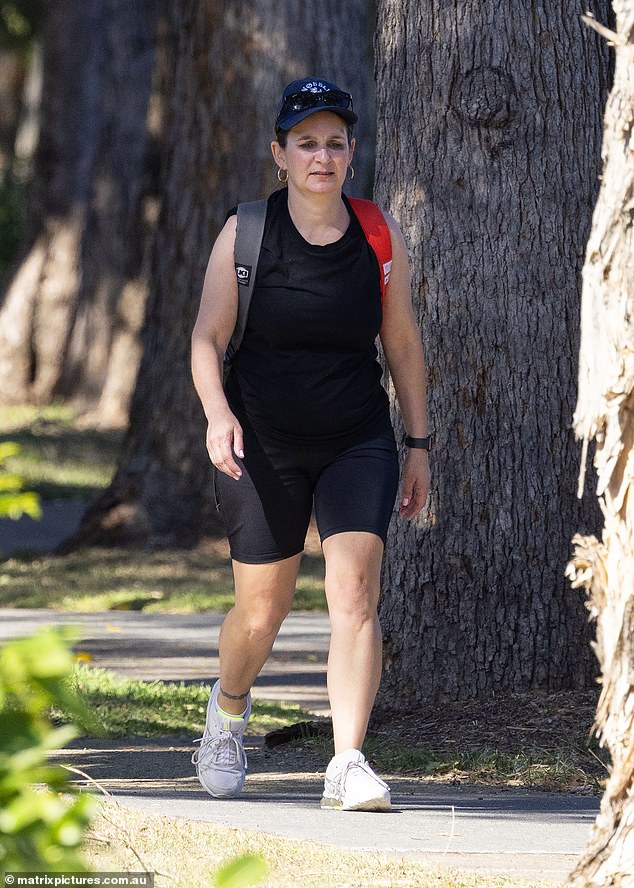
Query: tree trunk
(605,411)
(222,85)
(488,153)
(13,70)
(19,141)
(19,31)
(76,299)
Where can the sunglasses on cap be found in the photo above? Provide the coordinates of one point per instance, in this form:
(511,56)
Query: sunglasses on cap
(302,101)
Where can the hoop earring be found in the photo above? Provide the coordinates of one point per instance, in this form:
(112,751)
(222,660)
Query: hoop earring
(279,178)
(351,168)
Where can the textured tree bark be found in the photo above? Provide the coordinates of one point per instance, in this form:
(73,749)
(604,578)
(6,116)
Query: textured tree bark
(488,150)
(76,299)
(605,412)
(221,85)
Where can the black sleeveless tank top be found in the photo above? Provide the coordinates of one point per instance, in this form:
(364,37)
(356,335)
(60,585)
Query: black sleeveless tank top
(307,369)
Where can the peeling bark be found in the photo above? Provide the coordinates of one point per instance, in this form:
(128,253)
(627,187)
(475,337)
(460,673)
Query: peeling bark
(605,412)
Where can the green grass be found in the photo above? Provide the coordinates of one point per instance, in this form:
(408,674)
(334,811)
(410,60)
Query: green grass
(542,769)
(57,459)
(547,771)
(127,707)
(166,581)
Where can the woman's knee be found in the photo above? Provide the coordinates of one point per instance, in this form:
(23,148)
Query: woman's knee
(262,623)
(264,595)
(352,596)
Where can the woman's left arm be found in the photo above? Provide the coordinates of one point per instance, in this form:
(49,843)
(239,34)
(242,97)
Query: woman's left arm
(403,349)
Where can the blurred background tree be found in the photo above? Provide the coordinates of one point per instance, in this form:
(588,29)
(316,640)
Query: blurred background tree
(20,83)
(75,294)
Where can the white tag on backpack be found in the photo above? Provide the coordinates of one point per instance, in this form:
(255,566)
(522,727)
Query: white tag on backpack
(243,273)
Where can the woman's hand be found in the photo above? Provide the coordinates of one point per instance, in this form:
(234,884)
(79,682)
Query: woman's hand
(224,433)
(415,484)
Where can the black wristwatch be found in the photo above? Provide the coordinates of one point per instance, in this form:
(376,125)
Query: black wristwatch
(423,443)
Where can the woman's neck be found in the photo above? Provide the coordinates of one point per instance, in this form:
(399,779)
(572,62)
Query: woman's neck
(320,219)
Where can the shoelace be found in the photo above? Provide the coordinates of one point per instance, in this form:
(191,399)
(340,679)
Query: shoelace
(337,782)
(220,749)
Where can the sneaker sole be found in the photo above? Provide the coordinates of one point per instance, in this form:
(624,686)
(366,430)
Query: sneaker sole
(215,795)
(378,804)
(222,795)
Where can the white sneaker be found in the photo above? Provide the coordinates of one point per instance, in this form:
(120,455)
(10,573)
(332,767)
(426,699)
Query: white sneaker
(352,785)
(221,762)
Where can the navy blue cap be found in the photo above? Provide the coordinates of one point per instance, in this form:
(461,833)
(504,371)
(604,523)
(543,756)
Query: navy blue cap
(334,99)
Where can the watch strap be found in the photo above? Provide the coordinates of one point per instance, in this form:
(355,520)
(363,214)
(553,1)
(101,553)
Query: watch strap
(423,443)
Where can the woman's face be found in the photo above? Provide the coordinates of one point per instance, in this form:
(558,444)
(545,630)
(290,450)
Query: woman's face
(317,153)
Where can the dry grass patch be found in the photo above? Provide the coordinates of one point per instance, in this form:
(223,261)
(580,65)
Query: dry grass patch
(186,854)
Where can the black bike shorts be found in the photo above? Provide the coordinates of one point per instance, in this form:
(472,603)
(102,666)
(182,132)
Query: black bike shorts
(266,512)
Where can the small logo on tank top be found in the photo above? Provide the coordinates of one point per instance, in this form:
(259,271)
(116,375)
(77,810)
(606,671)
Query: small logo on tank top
(243,273)
(387,270)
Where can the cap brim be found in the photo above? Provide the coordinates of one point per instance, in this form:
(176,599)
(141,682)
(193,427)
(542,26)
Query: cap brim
(288,121)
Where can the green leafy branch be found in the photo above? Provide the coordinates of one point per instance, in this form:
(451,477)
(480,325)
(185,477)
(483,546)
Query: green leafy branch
(38,828)
(14,501)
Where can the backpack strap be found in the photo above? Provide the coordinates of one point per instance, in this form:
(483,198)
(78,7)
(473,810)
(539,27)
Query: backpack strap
(246,252)
(377,234)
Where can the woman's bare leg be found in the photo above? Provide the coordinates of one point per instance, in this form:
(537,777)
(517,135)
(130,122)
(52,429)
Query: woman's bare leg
(263,597)
(353,571)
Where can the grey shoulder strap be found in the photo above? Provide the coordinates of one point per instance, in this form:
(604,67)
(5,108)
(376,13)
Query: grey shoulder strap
(246,252)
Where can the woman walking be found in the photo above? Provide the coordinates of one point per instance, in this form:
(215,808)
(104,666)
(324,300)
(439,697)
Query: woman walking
(303,419)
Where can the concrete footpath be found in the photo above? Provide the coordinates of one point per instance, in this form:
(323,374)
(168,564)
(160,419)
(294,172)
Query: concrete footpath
(526,833)
(523,833)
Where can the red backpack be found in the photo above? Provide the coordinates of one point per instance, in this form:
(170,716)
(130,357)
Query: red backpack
(377,235)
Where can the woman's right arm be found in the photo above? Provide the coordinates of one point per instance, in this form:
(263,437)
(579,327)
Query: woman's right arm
(211,334)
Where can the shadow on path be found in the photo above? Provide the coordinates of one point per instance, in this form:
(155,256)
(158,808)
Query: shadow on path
(493,829)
